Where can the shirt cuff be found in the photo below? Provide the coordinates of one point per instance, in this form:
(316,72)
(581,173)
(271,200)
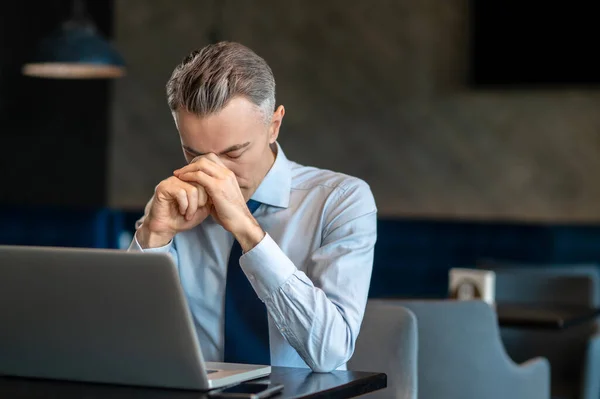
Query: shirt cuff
(267,267)
(135,246)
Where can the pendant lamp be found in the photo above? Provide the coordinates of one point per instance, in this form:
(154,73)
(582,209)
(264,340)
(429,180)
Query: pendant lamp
(75,51)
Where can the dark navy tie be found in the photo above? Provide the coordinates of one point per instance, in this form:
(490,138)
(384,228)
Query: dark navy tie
(246,323)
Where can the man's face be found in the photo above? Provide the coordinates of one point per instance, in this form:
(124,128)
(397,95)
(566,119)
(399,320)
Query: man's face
(238,135)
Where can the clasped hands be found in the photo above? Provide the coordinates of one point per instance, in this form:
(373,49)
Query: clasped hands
(203,187)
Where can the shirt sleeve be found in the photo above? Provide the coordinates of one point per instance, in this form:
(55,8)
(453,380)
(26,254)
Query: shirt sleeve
(320,313)
(165,249)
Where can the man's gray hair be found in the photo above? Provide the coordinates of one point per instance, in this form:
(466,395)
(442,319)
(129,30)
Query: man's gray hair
(207,79)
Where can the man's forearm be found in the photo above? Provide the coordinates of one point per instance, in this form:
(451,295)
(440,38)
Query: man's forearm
(249,235)
(148,239)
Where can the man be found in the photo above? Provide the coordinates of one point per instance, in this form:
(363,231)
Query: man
(296,296)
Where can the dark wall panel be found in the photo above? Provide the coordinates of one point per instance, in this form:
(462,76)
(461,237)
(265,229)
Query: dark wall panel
(53,133)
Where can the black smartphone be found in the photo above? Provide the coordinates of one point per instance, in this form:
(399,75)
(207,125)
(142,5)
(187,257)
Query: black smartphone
(248,390)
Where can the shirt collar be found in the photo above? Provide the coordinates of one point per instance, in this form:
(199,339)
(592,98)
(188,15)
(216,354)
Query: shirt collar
(275,188)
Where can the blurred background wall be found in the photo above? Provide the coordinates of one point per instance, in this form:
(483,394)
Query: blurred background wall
(377,89)
(53,133)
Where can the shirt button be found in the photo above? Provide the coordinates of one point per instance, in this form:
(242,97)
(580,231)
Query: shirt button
(251,277)
(282,330)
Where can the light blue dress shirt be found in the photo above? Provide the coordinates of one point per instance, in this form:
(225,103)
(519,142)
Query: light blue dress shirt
(312,269)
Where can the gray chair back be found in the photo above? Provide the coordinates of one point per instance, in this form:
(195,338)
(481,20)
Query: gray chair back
(567,350)
(567,285)
(388,343)
(461,355)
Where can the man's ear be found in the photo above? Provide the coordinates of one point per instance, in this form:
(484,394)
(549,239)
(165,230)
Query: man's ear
(276,121)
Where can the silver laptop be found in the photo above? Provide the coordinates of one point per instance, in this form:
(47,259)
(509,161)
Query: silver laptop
(103,316)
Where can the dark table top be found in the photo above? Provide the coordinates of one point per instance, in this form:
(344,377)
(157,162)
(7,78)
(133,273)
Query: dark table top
(544,316)
(298,383)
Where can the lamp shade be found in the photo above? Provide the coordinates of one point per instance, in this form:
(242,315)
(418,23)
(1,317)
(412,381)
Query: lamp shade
(75,51)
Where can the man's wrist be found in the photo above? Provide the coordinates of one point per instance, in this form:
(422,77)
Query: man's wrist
(148,239)
(249,235)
